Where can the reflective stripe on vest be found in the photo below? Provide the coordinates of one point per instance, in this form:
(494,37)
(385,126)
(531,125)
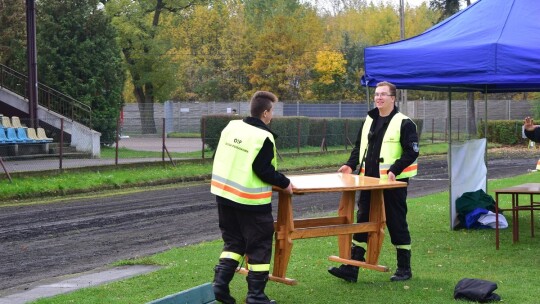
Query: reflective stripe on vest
(390,149)
(239,190)
(232,175)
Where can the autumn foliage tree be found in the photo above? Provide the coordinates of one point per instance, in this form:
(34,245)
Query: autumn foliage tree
(330,70)
(13,34)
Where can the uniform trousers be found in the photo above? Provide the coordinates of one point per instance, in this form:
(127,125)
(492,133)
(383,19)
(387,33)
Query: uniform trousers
(247,233)
(395,207)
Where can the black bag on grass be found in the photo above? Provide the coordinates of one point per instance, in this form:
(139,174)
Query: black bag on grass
(476,290)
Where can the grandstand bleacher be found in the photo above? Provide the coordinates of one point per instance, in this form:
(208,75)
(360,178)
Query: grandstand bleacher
(19,140)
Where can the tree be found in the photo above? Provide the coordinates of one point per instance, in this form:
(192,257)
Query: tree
(13,34)
(354,55)
(330,69)
(144,48)
(78,56)
(446,8)
(285,37)
(208,47)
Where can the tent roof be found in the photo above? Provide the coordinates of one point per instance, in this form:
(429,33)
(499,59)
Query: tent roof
(492,45)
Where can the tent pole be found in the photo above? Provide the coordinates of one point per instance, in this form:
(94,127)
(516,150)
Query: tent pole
(485,133)
(450,155)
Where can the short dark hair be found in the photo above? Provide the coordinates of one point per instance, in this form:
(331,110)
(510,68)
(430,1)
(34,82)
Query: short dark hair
(391,86)
(260,102)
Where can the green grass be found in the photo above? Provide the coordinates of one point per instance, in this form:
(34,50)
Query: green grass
(110,153)
(183,135)
(440,258)
(81,180)
(74,181)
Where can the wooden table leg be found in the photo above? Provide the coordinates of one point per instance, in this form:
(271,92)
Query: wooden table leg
(376,214)
(515,215)
(532,214)
(346,209)
(497,221)
(283,244)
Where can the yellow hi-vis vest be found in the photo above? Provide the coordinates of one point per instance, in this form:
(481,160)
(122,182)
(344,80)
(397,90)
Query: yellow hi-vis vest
(390,149)
(232,175)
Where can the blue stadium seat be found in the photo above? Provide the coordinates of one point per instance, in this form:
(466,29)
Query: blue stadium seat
(3,137)
(21,134)
(12,135)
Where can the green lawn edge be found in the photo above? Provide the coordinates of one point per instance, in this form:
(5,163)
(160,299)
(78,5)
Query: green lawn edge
(440,258)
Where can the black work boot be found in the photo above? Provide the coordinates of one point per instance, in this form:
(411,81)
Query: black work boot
(349,273)
(256,281)
(403,271)
(224,273)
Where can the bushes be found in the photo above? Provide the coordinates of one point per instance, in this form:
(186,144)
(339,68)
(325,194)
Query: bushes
(299,131)
(211,127)
(506,132)
(292,131)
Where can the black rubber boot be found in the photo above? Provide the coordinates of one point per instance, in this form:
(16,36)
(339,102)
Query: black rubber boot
(256,281)
(403,271)
(349,273)
(224,273)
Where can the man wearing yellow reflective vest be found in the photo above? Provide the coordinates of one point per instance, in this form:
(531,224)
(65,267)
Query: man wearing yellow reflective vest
(244,171)
(387,148)
(532,132)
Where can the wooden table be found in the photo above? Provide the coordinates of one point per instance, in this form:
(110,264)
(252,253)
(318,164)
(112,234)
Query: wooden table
(530,189)
(343,225)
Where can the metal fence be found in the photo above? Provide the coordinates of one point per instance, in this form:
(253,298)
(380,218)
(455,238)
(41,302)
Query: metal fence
(438,116)
(132,146)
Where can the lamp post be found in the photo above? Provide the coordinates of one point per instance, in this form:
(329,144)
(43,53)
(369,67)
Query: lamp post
(32,62)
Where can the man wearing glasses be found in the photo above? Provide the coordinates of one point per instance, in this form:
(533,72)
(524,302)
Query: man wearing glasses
(386,148)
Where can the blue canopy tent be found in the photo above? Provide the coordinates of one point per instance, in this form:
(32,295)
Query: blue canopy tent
(491,46)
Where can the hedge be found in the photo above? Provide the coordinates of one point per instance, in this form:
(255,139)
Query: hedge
(506,132)
(294,131)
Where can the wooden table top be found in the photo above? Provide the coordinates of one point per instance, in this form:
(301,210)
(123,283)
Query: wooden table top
(524,188)
(337,182)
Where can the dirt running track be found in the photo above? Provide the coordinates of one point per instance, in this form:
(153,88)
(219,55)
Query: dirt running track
(74,235)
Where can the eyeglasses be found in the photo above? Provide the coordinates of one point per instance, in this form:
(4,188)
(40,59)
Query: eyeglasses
(383,94)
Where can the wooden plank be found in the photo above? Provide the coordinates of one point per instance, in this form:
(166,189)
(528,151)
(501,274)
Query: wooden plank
(530,188)
(323,221)
(358,263)
(202,294)
(338,182)
(306,233)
